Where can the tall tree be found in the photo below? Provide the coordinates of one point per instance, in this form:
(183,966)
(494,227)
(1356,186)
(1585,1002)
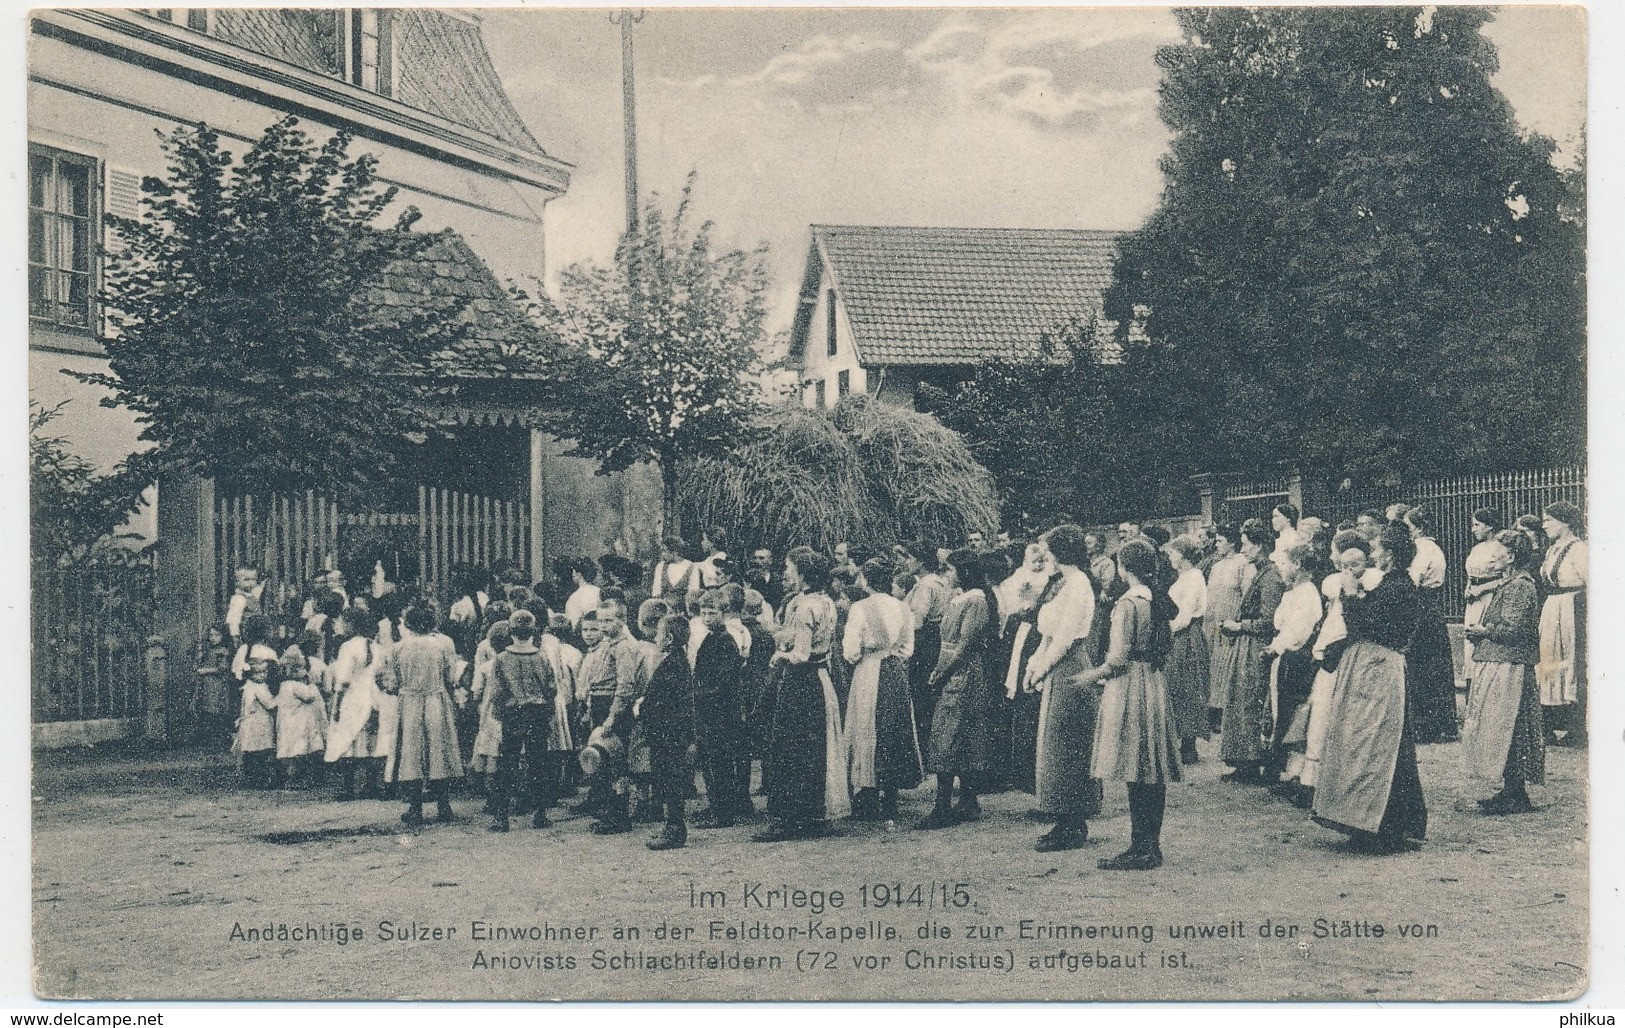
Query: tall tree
(1360,262)
(660,365)
(246,333)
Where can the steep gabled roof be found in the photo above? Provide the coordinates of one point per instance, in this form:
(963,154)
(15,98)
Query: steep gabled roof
(441,64)
(500,342)
(946,296)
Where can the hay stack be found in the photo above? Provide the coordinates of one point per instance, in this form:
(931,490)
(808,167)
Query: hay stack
(868,474)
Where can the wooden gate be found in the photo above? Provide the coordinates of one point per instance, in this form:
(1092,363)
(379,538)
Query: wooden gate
(290,539)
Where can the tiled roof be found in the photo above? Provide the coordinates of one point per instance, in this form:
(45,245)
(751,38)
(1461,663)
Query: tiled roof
(442,67)
(958,295)
(441,64)
(500,341)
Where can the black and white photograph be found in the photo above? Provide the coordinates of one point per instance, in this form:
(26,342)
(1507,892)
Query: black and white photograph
(808,504)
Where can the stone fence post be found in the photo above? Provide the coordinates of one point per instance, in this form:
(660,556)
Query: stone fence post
(157,674)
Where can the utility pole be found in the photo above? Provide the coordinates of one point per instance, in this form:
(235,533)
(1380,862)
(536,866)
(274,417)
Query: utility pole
(629,118)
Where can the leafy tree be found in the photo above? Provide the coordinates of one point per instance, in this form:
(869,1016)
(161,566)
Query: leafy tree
(1360,263)
(247,336)
(1047,428)
(73,510)
(660,351)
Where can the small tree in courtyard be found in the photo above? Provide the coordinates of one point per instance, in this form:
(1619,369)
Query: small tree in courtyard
(661,349)
(246,336)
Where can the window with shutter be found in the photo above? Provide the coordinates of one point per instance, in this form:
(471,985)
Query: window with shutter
(63,209)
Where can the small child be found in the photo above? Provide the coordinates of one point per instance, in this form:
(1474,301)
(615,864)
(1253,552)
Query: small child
(523,697)
(245,600)
(214,689)
(719,725)
(256,726)
(665,715)
(488,740)
(300,717)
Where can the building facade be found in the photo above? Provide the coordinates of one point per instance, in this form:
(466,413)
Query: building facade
(885,309)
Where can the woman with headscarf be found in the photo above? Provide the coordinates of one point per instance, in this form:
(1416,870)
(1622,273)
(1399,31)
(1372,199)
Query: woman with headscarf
(1432,690)
(1368,786)
(806,765)
(1562,668)
(1486,523)
(1066,719)
(1135,739)
(1502,736)
(1246,666)
(1227,582)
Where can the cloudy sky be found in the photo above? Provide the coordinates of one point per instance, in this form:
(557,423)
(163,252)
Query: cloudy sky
(1036,117)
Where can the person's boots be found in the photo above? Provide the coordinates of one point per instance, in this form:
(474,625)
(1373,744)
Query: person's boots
(675,834)
(614,820)
(442,805)
(942,815)
(346,780)
(414,804)
(865,806)
(967,809)
(1215,719)
(1137,857)
(888,804)
(1187,751)
(1068,834)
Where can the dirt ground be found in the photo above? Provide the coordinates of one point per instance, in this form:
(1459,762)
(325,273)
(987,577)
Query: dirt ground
(146,864)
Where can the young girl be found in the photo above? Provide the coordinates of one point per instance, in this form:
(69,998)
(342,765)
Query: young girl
(256,727)
(665,713)
(299,717)
(422,673)
(488,740)
(1135,739)
(718,721)
(959,723)
(352,735)
(214,689)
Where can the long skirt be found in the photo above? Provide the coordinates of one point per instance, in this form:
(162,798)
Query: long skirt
(1562,668)
(1432,686)
(927,647)
(805,772)
(1470,616)
(487,740)
(300,729)
(386,740)
(959,724)
(881,750)
(560,739)
(1135,737)
(427,750)
(1503,735)
(1368,780)
(1219,647)
(1024,716)
(671,776)
(1246,691)
(1066,737)
(1292,681)
(1187,673)
(1320,701)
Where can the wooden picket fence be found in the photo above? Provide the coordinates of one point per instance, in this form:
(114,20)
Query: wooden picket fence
(291,539)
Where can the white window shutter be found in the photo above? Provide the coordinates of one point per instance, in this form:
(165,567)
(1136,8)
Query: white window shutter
(121,192)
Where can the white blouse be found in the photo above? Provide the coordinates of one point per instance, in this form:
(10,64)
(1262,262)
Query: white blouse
(1189,594)
(878,624)
(1063,622)
(1427,569)
(1333,628)
(1296,618)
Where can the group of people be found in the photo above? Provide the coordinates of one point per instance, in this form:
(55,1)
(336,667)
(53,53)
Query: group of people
(1318,654)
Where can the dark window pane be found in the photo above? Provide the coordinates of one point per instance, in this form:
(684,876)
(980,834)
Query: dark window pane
(76,188)
(78,310)
(197,18)
(79,255)
(39,180)
(39,300)
(36,237)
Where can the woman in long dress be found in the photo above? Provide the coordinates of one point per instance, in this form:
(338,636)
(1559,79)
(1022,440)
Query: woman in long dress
(1066,718)
(882,753)
(352,736)
(1368,787)
(1103,569)
(1135,739)
(1227,582)
(1189,664)
(1351,551)
(1245,668)
(929,602)
(1562,668)
(422,673)
(1486,523)
(1292,667)
(1030,587)
(806,766)
(958,747)
(1432,689)
(1502,737)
